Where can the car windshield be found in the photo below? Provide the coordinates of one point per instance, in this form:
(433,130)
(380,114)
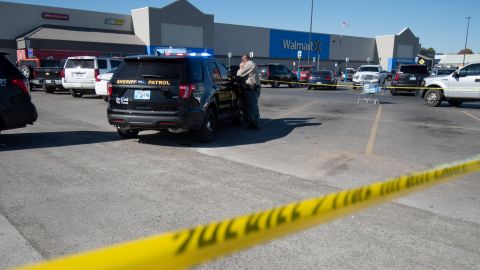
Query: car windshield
(369,69)
(415,69)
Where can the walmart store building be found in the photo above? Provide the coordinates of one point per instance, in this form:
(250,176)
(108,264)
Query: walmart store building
(50,32)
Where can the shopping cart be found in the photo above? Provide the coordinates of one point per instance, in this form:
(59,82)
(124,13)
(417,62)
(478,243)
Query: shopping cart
(370,93)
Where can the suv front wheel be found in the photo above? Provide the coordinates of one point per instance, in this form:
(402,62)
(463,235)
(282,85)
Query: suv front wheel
(206,133)
(433,97)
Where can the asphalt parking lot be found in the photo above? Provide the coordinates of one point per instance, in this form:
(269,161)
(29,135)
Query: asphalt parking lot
(69,184)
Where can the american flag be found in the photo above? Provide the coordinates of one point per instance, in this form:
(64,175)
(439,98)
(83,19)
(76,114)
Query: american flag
(345,24)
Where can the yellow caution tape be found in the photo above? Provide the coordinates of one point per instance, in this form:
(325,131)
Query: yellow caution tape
(189,247)
(410,88)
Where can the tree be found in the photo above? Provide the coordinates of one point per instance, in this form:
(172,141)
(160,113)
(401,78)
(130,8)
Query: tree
(467,51)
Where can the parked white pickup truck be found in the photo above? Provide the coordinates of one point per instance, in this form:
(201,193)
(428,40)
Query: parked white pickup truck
(368,74)
(460,86)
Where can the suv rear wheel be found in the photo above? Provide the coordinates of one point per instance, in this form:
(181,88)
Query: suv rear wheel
(128,133)
(433,97)
(75,93)
(275,85)
(206,133)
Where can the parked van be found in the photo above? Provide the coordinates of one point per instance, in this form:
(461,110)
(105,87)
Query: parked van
(81,72)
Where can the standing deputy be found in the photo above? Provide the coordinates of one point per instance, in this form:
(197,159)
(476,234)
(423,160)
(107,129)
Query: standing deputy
(248,70)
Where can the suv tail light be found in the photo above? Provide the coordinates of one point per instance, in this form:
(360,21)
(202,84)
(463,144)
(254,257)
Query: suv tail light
(397,77)
(22,84)
(109,89)
(328,78)
(96,74)
(34,74)
(268,73)
(186,90)
(62,73)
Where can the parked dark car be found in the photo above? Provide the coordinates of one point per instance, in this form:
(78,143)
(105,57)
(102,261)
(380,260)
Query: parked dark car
(409,78)
(277,74)
(16,107)
(31,68)
(322,79)
(175,93)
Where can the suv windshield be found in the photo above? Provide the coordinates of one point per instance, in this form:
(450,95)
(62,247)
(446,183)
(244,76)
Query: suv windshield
(80,63)
(369,69)
(50,63)
(415,69)
(191,70)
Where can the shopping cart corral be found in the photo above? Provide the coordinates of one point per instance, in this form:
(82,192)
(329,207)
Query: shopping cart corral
(371,93)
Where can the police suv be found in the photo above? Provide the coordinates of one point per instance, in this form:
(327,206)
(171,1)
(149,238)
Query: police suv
(180,92)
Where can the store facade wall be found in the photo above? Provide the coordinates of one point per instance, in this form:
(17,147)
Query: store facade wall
(182,25)
(178,25)
(23,18)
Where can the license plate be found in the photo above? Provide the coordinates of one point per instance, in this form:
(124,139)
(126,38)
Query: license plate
(319,82)
(141,94)
(48,81)
(78,75)
(413,78)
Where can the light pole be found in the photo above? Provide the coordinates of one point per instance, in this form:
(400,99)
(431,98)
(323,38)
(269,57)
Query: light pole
(310,35)
(466,39)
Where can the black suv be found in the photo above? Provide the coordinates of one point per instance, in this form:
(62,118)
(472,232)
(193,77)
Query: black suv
(16,107)
(409,78)
(175,93)
(277,74)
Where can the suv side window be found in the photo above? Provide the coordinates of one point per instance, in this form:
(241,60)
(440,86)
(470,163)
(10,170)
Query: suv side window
(102,64)
(215,71)
(195,71)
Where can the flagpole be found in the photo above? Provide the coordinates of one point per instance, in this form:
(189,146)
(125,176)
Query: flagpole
(310,35)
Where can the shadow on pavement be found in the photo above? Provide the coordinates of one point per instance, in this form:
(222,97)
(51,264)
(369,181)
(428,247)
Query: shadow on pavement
(272,129)
(22,141)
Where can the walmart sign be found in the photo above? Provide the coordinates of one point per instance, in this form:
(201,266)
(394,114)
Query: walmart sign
(286,44)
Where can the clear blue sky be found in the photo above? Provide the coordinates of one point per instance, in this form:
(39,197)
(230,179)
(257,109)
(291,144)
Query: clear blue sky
(439,24)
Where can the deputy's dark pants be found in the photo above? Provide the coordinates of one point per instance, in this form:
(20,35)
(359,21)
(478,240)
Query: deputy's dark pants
(252,112)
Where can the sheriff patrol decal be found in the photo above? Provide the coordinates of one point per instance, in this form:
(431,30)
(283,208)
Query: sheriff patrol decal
(126,81)
(159,82)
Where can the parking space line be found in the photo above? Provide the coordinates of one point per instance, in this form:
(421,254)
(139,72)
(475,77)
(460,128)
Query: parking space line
(472,116)
(373,133)
(289,112)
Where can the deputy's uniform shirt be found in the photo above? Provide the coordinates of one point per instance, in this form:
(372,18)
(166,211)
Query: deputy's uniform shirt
(250,71)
